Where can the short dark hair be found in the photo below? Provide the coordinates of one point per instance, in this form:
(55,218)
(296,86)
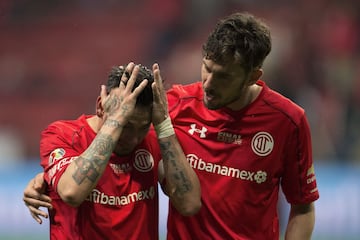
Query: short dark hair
(239,38)
(146,96)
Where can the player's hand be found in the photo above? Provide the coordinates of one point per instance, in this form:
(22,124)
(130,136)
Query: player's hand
(120,103)
(35,197)
(160,104)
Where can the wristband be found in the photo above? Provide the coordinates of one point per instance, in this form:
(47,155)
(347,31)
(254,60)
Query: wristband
(165,128)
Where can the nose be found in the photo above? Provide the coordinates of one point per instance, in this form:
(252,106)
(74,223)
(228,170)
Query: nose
(208,81)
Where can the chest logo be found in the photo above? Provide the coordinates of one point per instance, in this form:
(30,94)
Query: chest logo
(229,138)
(262,144)
(201,131)
(144,161)
(120,168)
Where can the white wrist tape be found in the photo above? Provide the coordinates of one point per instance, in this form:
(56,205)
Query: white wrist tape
(165,128)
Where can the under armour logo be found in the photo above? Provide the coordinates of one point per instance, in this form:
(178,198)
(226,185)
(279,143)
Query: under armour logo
(194,129)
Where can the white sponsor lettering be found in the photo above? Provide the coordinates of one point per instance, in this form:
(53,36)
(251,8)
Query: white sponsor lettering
(97,196)
(229,138)
(199,164)
(59,165)
(120,168)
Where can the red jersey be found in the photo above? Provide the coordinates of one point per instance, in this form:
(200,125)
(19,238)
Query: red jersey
(123,205)
(241,159)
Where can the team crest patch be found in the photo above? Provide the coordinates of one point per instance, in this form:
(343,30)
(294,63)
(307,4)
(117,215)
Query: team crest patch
(56,155)
(262,144)
(144,161)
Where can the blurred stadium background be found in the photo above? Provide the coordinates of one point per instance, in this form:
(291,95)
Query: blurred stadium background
(55,54)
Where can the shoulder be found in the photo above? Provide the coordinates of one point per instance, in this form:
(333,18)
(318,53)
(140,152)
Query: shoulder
(64,127)
(70,136)
(185,90)
(277,102)
(179,92)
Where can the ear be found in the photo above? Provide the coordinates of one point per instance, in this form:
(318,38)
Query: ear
(255,75)
(99,108)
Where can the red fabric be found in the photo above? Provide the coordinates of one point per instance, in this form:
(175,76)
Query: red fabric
(124,204)
(241,159)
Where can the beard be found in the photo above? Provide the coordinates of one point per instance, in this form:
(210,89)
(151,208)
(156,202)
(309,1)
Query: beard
(214,101)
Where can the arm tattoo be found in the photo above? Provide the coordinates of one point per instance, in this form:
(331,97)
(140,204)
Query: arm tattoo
(112,123)
(93,159)
(85,169)
(182,182)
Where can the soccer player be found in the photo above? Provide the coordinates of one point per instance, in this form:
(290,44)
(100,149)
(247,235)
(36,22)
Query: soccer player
(244,141)
(102,170)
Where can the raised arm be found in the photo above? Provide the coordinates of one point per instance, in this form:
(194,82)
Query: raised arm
(82,175)
(182,185)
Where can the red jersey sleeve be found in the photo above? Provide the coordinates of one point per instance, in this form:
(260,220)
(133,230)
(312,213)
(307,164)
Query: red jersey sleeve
(299,182)
(56,151)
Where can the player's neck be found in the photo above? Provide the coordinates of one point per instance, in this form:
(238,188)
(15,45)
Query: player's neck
(94,123)
(247,98)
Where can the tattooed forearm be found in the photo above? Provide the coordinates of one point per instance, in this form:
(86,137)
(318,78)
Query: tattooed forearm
(112,123)
(183,184)
(93,160)
(102,146)
(85,169)
(167,153)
